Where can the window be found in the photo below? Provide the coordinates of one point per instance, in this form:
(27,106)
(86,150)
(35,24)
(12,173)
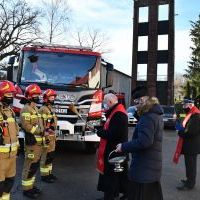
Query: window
(143,43)
(162,42)
(162,71)
(142,72)
(143,14)
(163,12)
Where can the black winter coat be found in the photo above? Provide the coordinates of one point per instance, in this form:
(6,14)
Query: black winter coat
(117,133)
(191,136)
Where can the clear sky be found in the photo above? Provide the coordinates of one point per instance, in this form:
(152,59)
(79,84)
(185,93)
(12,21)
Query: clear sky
(115,18)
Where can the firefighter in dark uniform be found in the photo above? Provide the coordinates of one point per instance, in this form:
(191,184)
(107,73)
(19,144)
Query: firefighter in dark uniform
(49,122)
(8,140)
(32,125)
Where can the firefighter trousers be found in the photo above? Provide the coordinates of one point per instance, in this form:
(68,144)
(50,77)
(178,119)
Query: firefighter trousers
(31,165)
(48,152)
(7,174)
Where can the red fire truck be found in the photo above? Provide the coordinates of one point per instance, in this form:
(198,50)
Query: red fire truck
(76,74)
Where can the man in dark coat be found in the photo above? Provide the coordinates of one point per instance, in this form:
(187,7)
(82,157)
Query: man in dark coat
(114,131)
(190,133)
(146,149)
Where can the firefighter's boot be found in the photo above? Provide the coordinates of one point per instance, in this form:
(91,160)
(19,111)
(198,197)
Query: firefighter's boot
(47,179)
(55,178)
(37,190)
(31,194)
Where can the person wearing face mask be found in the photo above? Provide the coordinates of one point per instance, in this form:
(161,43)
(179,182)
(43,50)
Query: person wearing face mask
(146,148)
(8,139)
(49,119)
(188,143)
(114,131)
(32,125)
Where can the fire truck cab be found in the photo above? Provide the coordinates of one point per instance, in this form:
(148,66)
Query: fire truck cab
(75,73)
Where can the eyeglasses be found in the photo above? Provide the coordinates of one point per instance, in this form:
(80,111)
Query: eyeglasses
(138,100)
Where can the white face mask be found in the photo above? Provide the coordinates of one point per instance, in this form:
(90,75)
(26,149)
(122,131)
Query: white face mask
(105,106)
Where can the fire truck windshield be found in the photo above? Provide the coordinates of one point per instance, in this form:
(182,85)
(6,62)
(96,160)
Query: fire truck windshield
(61,68)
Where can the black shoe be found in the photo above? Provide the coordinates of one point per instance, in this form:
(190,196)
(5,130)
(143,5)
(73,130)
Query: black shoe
(37,190)
(184,187)
(30,194)
(183,181)
(124,197)
(53,177)
(47,179)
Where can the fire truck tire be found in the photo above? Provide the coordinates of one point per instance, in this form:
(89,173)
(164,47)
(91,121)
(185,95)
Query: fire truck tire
(91,147)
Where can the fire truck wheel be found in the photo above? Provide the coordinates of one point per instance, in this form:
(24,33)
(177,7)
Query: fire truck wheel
(91,147)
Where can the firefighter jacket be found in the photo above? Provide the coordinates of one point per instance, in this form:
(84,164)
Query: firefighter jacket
(8,132)
(32,125)
(49,117)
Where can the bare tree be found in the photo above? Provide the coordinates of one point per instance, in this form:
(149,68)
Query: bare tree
(93,38)
(56,18)
(18,26)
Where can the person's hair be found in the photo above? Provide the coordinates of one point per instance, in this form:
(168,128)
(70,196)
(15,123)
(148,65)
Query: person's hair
(111,97)
(150,101)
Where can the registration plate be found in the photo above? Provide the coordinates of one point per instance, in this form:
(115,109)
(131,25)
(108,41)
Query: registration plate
(165,120)
(61,110)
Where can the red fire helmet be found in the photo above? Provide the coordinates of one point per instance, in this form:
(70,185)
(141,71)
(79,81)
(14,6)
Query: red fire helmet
(47,93)
(31,90)
(6,87)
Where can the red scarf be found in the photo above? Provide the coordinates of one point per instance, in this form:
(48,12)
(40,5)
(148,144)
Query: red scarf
(179,145)
(103,142)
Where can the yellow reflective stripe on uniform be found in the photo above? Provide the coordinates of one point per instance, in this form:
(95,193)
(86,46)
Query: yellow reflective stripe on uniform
(14,148)
(33,129)
(6,196)
(49,116)
(44,169)
(1,118)
(50,167)
(39,139)
(9,147)
(28,182)
(10,119)
(33,179)
(33,116)
(27,116)
(44,116)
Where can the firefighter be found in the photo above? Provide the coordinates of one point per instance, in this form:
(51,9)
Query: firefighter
(8,140)
(32,125)
(49,122)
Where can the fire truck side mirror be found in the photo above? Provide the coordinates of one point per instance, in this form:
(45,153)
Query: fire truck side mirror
(11,60)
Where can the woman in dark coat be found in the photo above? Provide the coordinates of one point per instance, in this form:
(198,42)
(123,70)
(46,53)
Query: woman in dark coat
(146,150)
(110,182)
